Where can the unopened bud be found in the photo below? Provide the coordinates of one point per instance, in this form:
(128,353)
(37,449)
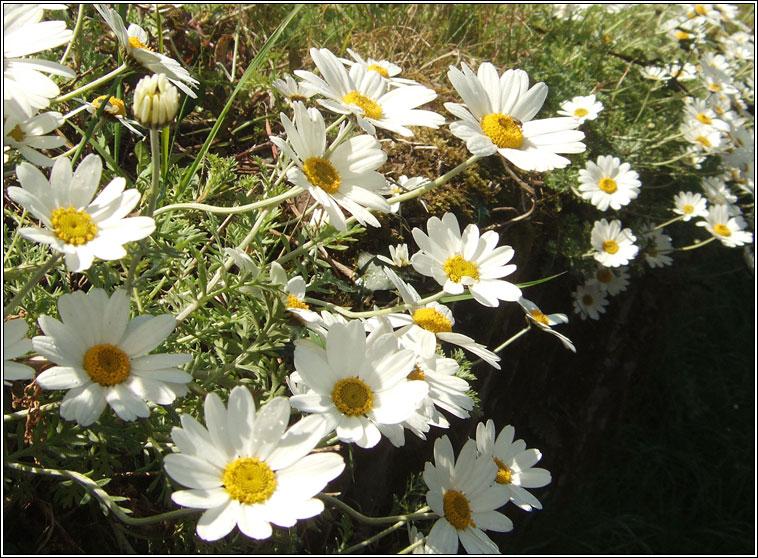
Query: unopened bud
(156,101)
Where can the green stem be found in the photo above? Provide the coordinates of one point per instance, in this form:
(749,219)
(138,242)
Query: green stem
(512,339)
(411,546)
(92,85)
(18,415)
(16,300)
(375,538)
(74,34)
(262,204)
(674,220)
(337,503)
(155,154)
(696,244)
(16,236)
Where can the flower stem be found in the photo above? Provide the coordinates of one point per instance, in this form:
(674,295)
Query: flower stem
(155,154)
(262,204)
(667,223)
(512,339)
(368,541)
(92,85)
(422,513)
(697,244)
(36,278)
(74,33)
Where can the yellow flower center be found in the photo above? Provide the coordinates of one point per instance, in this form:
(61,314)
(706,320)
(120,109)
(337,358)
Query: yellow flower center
(321,173)
(611,246)
(431,320)
(249,480)
(352,397)
(457,509)
(72,226)
(581,111)
(722,230)
(503,130)
(682,36)
(503,472)
(704,119)
(16,133)
(688,209)
(371,109)
(416,374)
(106,364)
(702,140)
(294,302)
(538,316)
(457,268)
(652,251)
(297,97)
(604,275)
(115,106)
(587,300)
(134,42)
(379,70)
(699,8)
(607,185)
(714,86)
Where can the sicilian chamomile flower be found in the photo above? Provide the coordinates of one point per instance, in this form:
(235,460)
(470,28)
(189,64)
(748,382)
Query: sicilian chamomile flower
(293,90)
(25,87)
(75,225)
(730,230)
(497,118)
(134,42)
(384,68)
(14,346)
(424,325)
(102,357)
(690,205)
(718,193)
(344,175)
(462,494)
(581,108)
(116,109)
(294,288)
(403,185)
(589,301)
(610,281)
(469,260)
(364,93)
(658,248)
(608,183)
(703,139)
(357,383)
(545,322)
(398,256)
(247,469)
(613,246)
(28,135)
(699,112)
(515,464)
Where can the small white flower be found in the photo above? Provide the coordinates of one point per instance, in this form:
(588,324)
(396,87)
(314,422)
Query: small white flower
(403,185)
(75,225)
(102,357)
(658,248)
(690,205)
(116,109)
(546,322)
(247,469)
(294,288)
(515,464)
(718,193)
(581,108)
(398,256)
(293,90)
(469,260)
(727,228)
(589,301)
(156,101)
(610,281)
(14,346)
(497,118)
(28,135)
(384,68)
(343,175)
(134,41)
(461,493)
(613,246)
(703,139)
(698,112)
(609,183)
(357,383)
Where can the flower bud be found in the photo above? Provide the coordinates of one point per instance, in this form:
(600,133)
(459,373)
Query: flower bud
(156,101)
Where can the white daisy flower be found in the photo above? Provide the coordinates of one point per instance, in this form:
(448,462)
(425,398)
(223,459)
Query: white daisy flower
(102,357)
(116,109)
(703,139)
(294,288)
(425,325)
(384,68)
(699,111)
(461,493)
(546,322)
(403,185)
(727,228)
(681,72)
(515,464)
(718,193)
(14,346)
(364,93)
(609,183)
(398,256)
(344,175)
(656,73)
(134,41)
(582,108)
(613,246)
(75,225)
(357,383)
(247,469)
(610,281)
(658,248)
(589,301)
(690,205)
(293,90)
(29,135)
(465,261)
(497,118)
(25,87)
